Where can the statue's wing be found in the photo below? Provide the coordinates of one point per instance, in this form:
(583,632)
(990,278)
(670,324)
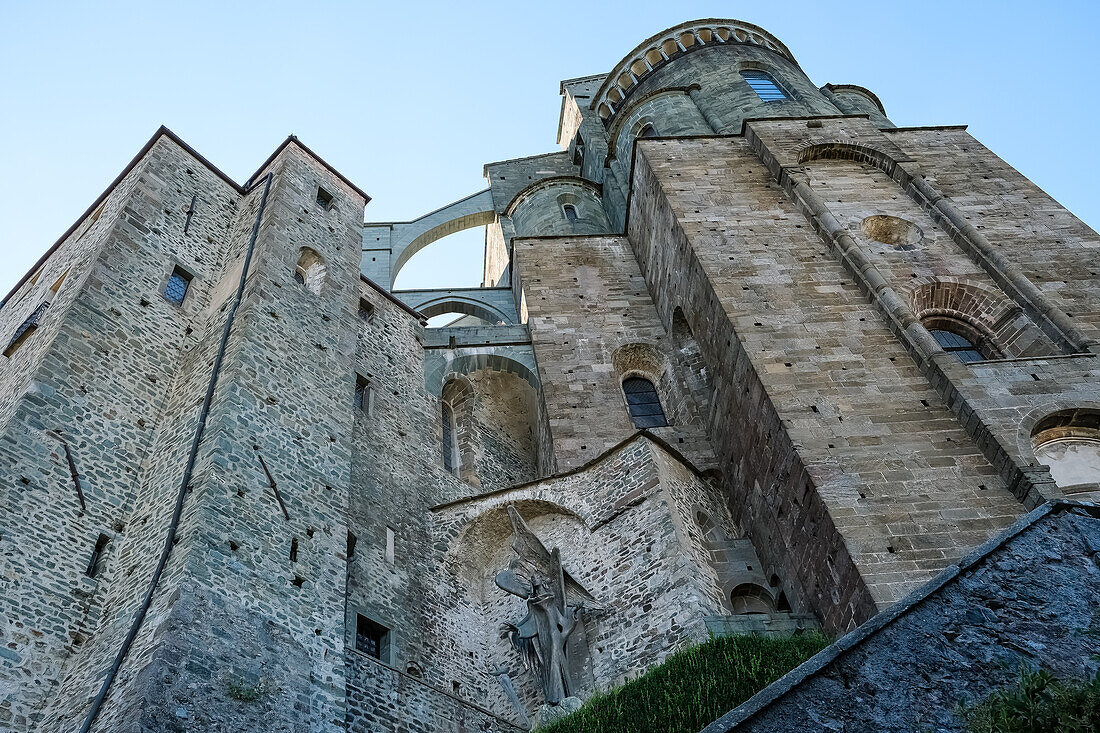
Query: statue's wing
(576,595)
(530,550)
(534,554)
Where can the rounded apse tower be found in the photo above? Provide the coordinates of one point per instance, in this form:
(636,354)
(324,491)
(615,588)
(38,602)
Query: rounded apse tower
(703,77)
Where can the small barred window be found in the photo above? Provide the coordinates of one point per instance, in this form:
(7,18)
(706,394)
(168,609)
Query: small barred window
(371,638)
(175,290)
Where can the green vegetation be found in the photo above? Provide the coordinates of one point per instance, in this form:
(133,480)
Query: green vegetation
(1039,703)
(242,691)
(693,687)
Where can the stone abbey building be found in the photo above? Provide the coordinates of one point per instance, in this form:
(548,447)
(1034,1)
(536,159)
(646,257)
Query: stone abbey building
(747,358)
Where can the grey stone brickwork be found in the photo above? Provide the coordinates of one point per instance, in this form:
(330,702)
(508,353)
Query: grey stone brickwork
(952,643)
(775,269)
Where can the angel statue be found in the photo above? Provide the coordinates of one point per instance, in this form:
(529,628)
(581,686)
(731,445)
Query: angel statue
(555,604)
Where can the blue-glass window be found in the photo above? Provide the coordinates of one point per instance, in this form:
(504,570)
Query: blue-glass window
(764,86)
(570,212)
(963,349)
(643,403)
(175,290)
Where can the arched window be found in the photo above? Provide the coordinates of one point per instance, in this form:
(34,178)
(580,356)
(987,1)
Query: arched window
(764,85)
(311,270)
(648,130)
(954,343)
(643,403)
(450,440)
(570,212)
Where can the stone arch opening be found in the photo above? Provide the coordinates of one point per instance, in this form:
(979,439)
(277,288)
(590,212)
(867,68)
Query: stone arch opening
(643,360)
(997,327)
(464,306)
(311,270)
(495,427)
(750,598)
(413,236)
(1068,442)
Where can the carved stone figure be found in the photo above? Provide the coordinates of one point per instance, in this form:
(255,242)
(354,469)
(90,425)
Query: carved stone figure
(555,605)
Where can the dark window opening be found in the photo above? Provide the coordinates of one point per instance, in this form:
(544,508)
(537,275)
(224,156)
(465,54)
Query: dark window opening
(764,85)
(963,349)
(362,393)
(352,539)
(643,403)
(578,152)
(648,130)
(324,198)
(570,212)
(366,310)
(26,328)
(95,563)
(448,438)
(371,638)
(175,290)
(294,549)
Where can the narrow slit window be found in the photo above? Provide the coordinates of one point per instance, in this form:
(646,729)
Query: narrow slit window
(449,462)
(570,212)
(294,549)
(363,394)
(26,328)
(371,638)
(175,290)
(352,540)
(764,85)
(643,403)
(366,310)
(95,563)
(963,349)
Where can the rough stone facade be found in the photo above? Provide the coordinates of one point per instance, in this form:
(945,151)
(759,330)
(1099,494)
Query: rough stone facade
(243,486)
(1025,600)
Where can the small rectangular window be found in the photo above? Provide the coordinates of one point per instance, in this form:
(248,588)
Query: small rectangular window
(366,310)
(391,537)
(175,290)
(371,638)
(26,328)
(324,198)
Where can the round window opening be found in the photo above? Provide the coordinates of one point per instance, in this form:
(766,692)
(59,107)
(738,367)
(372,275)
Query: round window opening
(1069,443)
(898,233)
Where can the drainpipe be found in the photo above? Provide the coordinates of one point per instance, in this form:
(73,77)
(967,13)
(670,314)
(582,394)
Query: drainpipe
(189,468)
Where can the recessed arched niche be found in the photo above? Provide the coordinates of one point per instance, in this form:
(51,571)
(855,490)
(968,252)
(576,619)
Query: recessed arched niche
(899,233)
(1068,441)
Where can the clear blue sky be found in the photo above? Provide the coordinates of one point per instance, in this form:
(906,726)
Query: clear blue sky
(409,100)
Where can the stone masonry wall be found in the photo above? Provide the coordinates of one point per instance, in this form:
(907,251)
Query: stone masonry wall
(102,384)
(586,302)
(831,370)
(1028,603)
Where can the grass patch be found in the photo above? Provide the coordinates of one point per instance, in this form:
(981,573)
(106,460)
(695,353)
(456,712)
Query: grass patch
(1039,703)
(693,687)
